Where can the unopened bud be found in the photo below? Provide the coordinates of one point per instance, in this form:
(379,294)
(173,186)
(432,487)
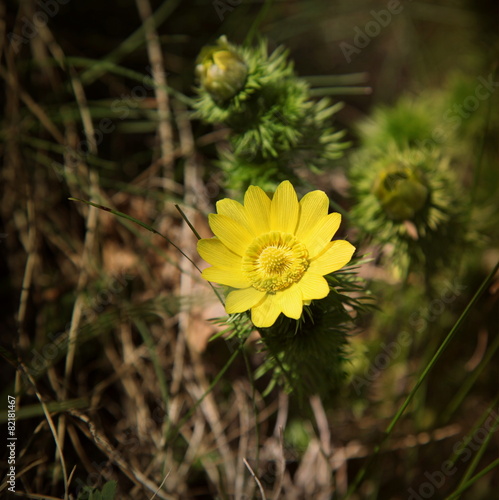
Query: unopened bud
(221,70)
(401,192)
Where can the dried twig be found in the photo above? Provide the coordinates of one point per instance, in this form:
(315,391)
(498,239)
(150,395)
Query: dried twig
(260,487)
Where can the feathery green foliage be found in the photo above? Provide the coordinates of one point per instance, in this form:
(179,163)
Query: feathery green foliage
(409,199)
(276,127)
(307,356)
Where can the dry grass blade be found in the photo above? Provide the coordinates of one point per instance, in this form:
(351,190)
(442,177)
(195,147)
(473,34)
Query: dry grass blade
(115,457)
(257,481)
(159,75)
(53,430)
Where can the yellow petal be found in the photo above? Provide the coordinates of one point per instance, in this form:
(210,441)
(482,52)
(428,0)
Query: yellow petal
(235,211)
(313,208)
(228,277)
(231,233)
(266,312)
(217,254)
(242,300)
(313,286)
(257,205)
(321,234)
(337,254)
(291,301)
(284,209)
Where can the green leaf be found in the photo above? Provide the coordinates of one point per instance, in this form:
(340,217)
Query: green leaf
(109,490)
(36,410)
(95,495)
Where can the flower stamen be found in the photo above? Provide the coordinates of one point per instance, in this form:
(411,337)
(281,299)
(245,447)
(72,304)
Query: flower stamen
(274,261)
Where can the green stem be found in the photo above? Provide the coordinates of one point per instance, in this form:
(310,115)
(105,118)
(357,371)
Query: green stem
(442,348)
(258,21)
(321,91)
(160,373)
(172,433)
(476,459)
(473,480)
(362,473)
(134,41)
(467,384)
(149,228)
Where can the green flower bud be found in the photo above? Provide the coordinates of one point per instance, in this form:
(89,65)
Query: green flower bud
(221,70)
(401,191)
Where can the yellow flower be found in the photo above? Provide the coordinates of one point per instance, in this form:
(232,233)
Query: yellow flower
(273,252)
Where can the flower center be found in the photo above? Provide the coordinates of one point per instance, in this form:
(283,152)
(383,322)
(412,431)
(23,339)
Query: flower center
(274,261)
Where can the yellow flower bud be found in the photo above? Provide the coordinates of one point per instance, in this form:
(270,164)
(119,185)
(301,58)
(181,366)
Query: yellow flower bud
(401,191)
(222,72)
